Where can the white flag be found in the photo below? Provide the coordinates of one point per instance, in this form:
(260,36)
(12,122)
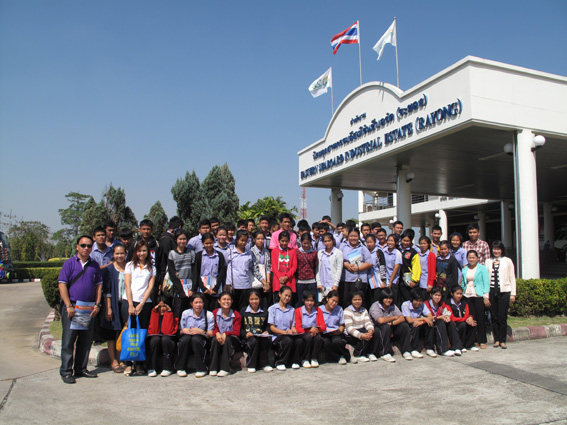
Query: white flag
(388,37)
(320,85)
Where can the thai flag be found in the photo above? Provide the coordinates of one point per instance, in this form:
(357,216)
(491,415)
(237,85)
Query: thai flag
(348,36)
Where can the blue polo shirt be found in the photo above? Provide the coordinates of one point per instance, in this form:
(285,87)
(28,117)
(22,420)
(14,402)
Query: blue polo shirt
(196,243)
(282,319)
(333,318)
(308,320)
(366,258)
(408,310)
(84,289)
(392,258)
(225,324)
(189,320)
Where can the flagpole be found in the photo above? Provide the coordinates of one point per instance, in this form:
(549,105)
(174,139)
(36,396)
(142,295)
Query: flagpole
(397,70)
(332,103)
(360,55)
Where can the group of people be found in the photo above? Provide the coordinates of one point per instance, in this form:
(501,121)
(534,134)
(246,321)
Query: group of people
(287,298)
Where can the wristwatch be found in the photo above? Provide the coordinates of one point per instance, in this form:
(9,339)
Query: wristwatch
(99,305)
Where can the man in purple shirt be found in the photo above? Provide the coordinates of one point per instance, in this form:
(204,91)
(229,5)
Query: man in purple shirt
(80,280)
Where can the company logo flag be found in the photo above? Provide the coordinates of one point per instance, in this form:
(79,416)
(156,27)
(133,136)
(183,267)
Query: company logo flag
(388,37)
(321,84)
(348,36)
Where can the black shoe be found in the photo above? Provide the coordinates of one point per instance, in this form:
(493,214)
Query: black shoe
(68,379)
(86,374)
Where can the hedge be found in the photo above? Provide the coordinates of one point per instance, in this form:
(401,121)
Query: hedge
(37,264)
(50,286)
(34,273)
(540,297)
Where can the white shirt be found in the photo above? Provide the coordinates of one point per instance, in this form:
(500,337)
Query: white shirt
(140,281)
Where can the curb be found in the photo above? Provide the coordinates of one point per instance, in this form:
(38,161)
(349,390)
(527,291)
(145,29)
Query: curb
(98,356)
(19,280)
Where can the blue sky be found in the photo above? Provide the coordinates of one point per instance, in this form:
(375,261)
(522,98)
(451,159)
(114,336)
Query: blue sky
(134,93)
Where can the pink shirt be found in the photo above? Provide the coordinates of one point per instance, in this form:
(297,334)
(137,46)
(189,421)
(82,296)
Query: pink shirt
(274,242)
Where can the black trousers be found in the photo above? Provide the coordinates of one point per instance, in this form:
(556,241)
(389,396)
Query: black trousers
(164,345)
(192,344)
(415,332)
(334,347)
(476,310)
(306,347)
(240,298)
(178,305)
(467,334)
(400,332)
(221,354)
(403,294)
(499,305)
(365,348)
(283,347)
(79,342)
(440,335)
(257,349)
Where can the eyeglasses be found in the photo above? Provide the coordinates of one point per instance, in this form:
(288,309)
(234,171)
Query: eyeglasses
(86,245)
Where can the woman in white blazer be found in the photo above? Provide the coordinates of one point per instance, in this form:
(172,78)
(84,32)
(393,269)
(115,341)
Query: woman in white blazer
(329,266)
(502,291)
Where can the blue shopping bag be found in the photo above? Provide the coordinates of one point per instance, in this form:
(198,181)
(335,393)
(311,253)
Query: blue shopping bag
(133,343)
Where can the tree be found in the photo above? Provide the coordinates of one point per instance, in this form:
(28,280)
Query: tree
(218,189)
(116,208)
(94,215)
(269,206)
(191,206)
(159,218)
(30,241)
(72,216)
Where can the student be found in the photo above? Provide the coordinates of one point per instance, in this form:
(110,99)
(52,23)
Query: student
(364,231)
(444,328)
(436,233)
(282,324)
(139,279)
(306,268)
(329,266)
(196,329)
(458,251)
(502,291)
(481,247)
(209,271)
(284,264)
(230,231)
(166,243)
(465,323)
(381,237)
(264,263)
(393,259)
(310,324)
(180,270)
(420,320)
(410,271)
(356,263)
(375,226)
(126,238)
(446,269)
(397,228)
(360,329)
(377,274)
(196,242)
(476,285)
(286,226)
(110,231)
(334,342)
(221,242)
(240,269)
(338,234)
(215,224)
(226,336)
(101,253)
(389,321)
(161,333)
(146,229)
(428,262)
(254,331)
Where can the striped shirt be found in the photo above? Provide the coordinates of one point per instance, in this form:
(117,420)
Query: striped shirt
(355,320)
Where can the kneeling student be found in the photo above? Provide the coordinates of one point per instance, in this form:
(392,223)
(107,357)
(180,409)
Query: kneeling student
(225,336)
(420,321)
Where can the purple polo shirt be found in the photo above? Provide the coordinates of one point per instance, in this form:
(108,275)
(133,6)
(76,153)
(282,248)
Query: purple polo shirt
(84,289)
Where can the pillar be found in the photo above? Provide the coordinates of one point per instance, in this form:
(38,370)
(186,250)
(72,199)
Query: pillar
(548,230)
(336,206)
(526,205)
(506,231)
(444,224)
(481,225)
(403,201)
(360,202)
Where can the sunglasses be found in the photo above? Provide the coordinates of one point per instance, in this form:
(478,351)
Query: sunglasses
(86,245)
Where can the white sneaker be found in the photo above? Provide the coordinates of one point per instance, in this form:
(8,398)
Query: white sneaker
(373,358)
(200,374)
(251,370)
(353,360)
(181,373)
(223,373)
(295,366)
(314,363)
(407,356)
(449,353)
(342,360)
(363,359)
(389,358)
(166,373)
(475,349)
(268,369)
(152,373)
(416,355)
(458,353)
(431,353)
(464,350)
(306,364)
(213,373)
(280,367)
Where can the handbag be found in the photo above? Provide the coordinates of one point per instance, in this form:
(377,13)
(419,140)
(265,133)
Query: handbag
(133,342)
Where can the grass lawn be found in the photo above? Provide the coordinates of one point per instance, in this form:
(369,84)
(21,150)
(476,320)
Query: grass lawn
(517,322)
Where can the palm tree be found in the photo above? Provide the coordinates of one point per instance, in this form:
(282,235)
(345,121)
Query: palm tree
(268,206)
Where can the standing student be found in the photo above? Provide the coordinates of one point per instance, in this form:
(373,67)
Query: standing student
(230,231)
(196,243)
(390,322)
(215,224)
(281,319)
(446,269)
(221,242)
(240,270)
(476,284)
(146,229)
(356,263)
(139,279)
(286,226)
(334,342)
(180,263)
(475,243)
(195,331)
(264,263)
(465,323)
(309,323)
(360,329)
(329,267)
(393,259)
(381,237)
(209,272)
(161,338)
(254,333)
(502,291)
(410,271)
(428,261)
(284,264)
(377,274)
(444,329)
(436,233)
(306,267)
(226,336)
(458,251)
(420,320)
(167,243)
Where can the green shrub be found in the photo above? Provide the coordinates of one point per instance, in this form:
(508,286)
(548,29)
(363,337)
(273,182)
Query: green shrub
(537,297)
(34,273)
(38,264)
(50,286)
